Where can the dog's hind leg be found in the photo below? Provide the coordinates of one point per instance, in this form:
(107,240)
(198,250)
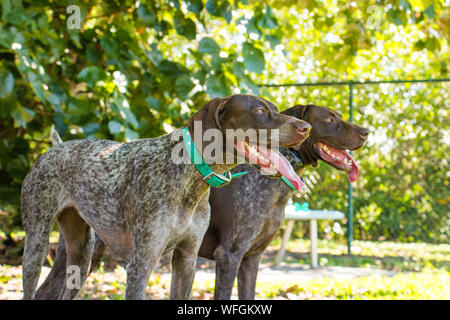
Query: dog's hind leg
(36,250)
(99,250)
(54,282)
(184,259)
(79,243)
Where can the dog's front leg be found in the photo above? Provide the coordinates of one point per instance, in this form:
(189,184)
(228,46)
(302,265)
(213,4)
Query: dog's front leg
(184,257)
(227,265)
(183,272)
(248,271)
(138,272)
(146,252)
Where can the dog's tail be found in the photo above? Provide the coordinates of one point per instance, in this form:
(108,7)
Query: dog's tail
(56,139)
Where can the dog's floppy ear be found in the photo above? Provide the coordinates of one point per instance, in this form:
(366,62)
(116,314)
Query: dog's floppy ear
(220,111)
(211,113)
(298,111)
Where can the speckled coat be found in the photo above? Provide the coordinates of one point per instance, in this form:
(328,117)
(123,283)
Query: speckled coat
(139,202)
(121,190)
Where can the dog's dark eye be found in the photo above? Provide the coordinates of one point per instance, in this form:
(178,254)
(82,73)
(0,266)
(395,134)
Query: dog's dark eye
(260,110)
(329,120)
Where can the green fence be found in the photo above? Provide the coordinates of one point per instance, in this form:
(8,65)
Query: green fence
(351,86)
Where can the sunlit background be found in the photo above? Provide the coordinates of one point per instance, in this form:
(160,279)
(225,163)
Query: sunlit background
(139,69)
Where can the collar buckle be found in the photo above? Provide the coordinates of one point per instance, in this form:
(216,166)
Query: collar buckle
(212,178)
(225,179)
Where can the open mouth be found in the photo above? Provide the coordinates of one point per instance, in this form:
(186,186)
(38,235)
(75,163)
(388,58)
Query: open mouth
(270,161)
(338,158)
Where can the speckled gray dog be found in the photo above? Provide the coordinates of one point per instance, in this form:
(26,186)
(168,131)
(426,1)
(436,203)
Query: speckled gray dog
(134,197)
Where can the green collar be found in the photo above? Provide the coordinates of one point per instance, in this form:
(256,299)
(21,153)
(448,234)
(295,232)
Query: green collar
(290,185)
(212,178)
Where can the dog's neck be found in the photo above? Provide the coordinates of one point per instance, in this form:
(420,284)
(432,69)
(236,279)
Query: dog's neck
(218,164)
(307,153)
(183,180)
(182,165)
(294,159)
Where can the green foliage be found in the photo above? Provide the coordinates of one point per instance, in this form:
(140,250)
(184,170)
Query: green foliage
(130,72)
(403,190)
(6,83)
(253,58)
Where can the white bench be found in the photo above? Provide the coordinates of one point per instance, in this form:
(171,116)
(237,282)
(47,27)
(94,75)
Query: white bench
(313,215)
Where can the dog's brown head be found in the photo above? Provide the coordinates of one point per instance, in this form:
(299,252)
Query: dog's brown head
(245,112)
(329,138)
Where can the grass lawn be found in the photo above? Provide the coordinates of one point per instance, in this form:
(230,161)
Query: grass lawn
(423,285)
(423,271)
(420,271)
(398,257)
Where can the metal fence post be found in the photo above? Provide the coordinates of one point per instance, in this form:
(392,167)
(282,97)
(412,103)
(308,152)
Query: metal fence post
(350,188)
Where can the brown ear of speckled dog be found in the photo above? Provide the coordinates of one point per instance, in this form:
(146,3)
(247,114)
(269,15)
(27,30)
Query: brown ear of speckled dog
(210,113)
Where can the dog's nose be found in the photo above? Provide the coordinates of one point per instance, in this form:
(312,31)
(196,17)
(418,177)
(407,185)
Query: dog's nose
(364,133)
(303,128)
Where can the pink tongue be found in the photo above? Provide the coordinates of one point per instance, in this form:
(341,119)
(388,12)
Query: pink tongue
(354,171)
(285,168)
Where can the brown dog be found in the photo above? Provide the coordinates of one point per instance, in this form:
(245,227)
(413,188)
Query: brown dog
(135,198)
(246,214)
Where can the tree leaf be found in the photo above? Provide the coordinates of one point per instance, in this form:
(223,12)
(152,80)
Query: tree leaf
(115,127)
(146,15)
(185,26)
(17,16)
(217,87)
(183,85)
(6,83)
(248,85)
(131,135)
(110,45)
(397,16)
(219,9)
(273,41)
(93,54)
(225,11)
(253,58)
(153,103)
(91,75)
(252,27)
(170,68)
(130,118)
(213,8)
(208,45)
(90,128)
(77,107)
(238,69)
(267,20)
(23,115)
(194,5)
(429,11)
